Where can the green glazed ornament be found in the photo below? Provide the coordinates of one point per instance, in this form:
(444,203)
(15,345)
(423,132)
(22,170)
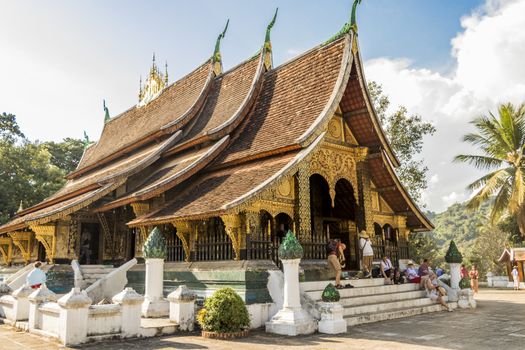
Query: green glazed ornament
(155,245)
(290,247)
(330,294)
(453,255)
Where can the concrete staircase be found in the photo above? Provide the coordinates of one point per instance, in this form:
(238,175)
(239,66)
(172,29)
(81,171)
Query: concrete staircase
(92,273)
(371,301)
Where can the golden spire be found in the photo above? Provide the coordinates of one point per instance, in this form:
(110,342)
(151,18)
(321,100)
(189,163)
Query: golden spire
(154,84)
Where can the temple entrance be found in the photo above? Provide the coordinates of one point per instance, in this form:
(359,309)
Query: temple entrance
(41,252)
(90,243)
(337,221)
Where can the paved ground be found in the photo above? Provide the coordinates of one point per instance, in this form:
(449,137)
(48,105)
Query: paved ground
(498,322)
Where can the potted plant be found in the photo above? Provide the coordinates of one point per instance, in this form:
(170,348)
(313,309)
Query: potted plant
(224,315)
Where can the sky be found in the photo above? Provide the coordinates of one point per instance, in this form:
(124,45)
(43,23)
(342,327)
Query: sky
(447,60)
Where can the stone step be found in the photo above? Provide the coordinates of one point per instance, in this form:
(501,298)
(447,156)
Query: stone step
(363,291)
(94,275)
(320,285)
(393,314)
(382,307)
(382,298)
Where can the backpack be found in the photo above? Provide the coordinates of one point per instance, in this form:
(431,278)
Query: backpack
(331,246)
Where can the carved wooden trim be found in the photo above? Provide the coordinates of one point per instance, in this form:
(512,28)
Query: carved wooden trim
(6,249)
(46,234)
(184,229)
(232,225)
(22,239)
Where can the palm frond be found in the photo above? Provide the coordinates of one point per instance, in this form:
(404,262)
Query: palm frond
(480,162)
(499,208)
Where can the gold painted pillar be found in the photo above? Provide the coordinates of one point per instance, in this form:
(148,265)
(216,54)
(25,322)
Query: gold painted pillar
(366,216)
(6,249)
(303,215)
(184,231)
(23,240)
(140,208)
(232,225)
(46,234)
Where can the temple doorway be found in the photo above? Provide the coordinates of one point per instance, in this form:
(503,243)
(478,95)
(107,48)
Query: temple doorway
(90,243)
(41,252)
(335,219)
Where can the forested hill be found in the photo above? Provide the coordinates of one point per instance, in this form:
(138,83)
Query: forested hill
(460,224)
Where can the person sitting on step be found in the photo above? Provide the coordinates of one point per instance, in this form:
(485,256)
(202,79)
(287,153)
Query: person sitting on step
(387,270)
(411,273)
(435,292)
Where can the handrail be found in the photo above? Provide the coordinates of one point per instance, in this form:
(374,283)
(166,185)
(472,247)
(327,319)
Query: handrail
(101,283)
(78,278)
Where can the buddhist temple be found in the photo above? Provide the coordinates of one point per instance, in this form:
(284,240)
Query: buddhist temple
(226,162)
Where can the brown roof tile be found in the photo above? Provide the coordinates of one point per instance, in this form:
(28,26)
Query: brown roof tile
(291,99)
(210,192)
(139,122)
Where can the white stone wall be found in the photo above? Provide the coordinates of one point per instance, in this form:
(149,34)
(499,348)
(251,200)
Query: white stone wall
(50,317)
(104,319)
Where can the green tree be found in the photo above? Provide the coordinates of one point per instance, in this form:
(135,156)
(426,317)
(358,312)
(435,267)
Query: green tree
(422,245)
(30,171)
(487,249)
(405,133)
(501,143)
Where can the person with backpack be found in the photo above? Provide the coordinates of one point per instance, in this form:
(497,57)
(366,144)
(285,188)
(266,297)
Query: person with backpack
(335,252)
(367,253)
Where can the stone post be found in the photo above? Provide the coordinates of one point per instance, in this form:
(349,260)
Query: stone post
(36,298)
(131,302)
(154,251)
(292,319)
(74,314)
(182,308)
(454,258)
(490,279)
(20,303)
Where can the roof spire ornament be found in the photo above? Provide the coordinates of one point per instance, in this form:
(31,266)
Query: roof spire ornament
(166,74)
(86,141)
(350,25)
(268,61)
(154,84)
(107,118)
(21,206)
(217,59)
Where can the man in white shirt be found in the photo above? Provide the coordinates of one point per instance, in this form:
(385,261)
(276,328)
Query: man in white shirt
(36,277)
(367,253)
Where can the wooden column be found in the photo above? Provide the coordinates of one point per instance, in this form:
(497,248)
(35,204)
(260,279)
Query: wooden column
(303,215)
(365,217)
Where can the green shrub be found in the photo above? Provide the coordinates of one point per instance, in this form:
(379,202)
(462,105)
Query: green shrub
(464,283)
(224,312)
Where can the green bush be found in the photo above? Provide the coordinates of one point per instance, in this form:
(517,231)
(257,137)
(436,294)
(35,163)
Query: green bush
(224,312)
(464,283)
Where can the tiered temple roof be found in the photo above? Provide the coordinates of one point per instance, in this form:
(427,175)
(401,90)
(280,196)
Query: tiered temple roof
(215,140)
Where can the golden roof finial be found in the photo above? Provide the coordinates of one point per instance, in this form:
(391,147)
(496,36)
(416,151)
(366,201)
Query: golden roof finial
(154,84)
(166,74)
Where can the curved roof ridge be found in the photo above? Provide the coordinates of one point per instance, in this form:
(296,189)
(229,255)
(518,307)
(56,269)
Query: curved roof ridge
(371,110)
(147,123)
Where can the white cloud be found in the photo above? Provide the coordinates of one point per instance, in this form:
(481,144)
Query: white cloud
(452,198)
(488,70)
(434,179)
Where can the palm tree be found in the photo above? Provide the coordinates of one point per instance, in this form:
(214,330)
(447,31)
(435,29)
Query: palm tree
(501,141)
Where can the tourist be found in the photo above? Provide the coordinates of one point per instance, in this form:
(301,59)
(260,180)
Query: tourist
(367,253)
(516,277)
(387,270)
(423,268)
(439,271)
(334,250)
(412,274)
(474,278)
(398,277)
(435,292)
(464,271)
(36,277)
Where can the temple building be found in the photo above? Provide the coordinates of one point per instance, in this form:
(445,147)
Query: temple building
(226,162)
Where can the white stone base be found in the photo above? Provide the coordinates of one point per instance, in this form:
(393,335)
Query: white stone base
(155,309)
(466,299)
(332,321)
(291,322)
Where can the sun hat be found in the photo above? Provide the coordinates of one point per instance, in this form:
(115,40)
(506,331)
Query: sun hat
(363,234)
